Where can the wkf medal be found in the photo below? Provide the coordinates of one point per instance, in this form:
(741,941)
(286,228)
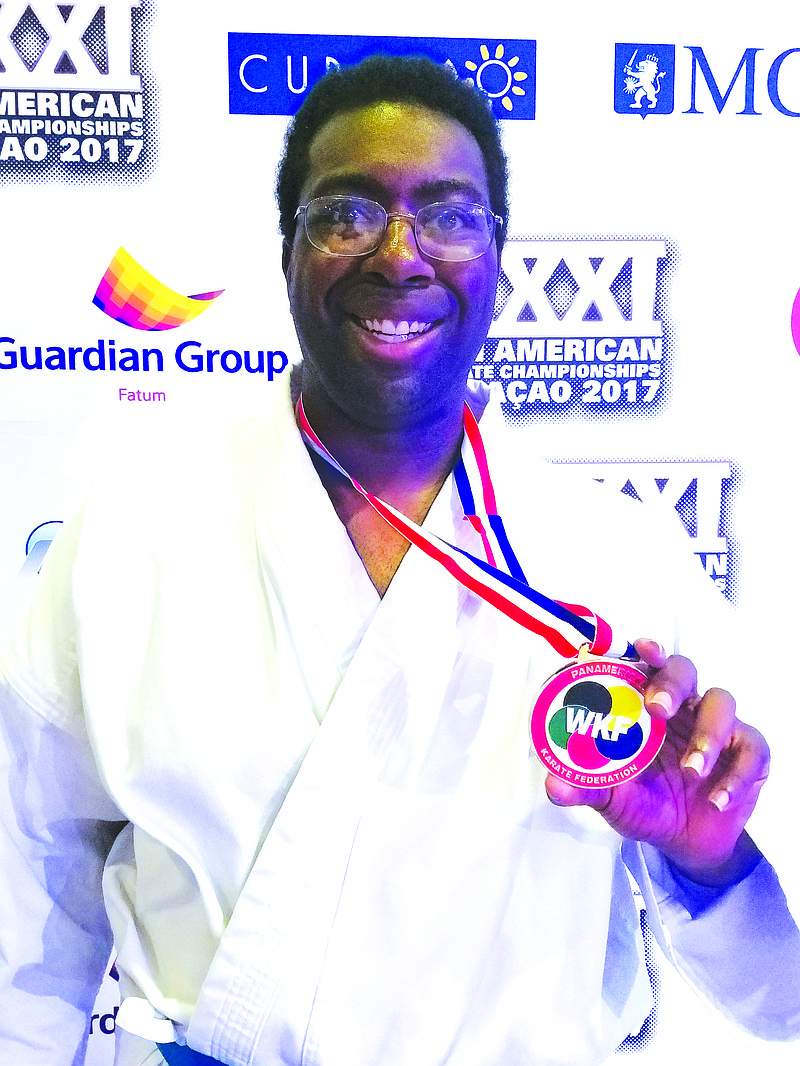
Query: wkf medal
(589,725)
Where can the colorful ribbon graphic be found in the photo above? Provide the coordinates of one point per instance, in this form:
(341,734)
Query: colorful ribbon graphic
(129,294)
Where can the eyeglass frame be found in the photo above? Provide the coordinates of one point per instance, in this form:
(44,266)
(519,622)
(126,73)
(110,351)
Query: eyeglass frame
(497,222)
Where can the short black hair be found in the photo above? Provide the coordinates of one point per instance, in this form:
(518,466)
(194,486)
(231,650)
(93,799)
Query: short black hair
(390,80)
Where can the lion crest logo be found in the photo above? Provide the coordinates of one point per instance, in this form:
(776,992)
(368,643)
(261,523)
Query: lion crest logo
(643,80)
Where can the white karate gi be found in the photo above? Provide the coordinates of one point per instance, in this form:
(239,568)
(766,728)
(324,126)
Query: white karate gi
(340,852)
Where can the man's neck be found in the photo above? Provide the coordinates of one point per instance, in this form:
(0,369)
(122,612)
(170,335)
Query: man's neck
(405,464)
(402,462)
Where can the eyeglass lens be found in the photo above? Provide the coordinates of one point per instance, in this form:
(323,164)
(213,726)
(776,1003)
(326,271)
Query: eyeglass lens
(350,225)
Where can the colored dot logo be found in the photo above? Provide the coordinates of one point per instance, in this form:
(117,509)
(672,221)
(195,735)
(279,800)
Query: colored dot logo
(589,725)
(496,76)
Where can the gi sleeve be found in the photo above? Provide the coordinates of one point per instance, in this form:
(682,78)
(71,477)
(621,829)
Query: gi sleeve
(739,947)
(57,825)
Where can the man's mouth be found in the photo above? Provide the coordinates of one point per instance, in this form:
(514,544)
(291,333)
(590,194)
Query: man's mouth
(393,332)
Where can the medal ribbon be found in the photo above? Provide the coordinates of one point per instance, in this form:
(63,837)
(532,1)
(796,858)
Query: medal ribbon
(565,626)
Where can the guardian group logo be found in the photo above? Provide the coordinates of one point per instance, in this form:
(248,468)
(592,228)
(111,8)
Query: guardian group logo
(75,100)
(270,73)
(644,79)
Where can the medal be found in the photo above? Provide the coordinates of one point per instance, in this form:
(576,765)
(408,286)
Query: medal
(589,725)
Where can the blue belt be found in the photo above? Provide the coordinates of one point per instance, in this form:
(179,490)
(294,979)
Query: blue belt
(181,1055)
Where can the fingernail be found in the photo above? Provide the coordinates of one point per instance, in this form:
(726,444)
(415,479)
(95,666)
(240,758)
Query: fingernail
(663,699)
(721,799)
(695,762)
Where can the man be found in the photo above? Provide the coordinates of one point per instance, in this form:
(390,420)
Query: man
(337,846)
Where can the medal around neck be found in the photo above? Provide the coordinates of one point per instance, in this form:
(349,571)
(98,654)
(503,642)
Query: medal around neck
(589,725)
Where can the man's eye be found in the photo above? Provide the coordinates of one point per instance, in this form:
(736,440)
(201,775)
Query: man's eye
(343,213)
(453,220)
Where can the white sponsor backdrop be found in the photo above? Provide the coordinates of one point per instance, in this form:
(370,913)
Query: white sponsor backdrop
(716,186)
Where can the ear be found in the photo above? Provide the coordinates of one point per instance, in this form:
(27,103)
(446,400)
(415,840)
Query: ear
(286,258)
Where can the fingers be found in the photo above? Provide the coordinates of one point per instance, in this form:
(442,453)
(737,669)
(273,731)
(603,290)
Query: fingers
(731,754)
(749,771)
(562,794)
(670,686)
(650,651)
(719,748)
(714,727)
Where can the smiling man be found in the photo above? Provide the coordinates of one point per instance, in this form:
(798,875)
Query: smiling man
(296,746)
(392,273)
(389,332)
(391,319)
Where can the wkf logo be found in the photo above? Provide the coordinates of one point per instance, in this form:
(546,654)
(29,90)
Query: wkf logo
(85,45)
(270,73)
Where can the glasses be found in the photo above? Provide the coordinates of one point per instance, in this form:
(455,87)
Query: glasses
(351,225)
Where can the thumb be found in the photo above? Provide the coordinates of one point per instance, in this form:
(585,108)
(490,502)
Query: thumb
(562,794)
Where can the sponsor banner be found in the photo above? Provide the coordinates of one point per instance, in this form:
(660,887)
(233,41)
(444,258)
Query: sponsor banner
(595,328)
(580,328)
(706,78)
(270,73)
(111,355)
(76,104)
(102,1022)
(700,491)
(136,353)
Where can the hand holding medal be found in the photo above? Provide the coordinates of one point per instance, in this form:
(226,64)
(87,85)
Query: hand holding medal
(621,728)
(694,799)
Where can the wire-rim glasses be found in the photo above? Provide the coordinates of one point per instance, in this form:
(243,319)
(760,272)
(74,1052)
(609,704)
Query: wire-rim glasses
(352,225)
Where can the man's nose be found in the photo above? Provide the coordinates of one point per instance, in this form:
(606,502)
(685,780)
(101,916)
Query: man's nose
(397,257)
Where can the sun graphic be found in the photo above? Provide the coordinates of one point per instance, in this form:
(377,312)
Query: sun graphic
(496,76)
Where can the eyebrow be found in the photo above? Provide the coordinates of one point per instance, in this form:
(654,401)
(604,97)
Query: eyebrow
(358,184)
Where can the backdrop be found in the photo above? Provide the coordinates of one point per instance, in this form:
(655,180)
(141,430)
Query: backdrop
(644,326)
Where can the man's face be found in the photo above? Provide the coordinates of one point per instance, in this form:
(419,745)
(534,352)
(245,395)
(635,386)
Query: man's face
(347,310)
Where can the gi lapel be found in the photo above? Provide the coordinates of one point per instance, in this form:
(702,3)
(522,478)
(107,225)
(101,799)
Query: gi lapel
(289,901)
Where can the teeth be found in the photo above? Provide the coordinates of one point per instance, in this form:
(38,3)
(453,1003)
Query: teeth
(395,329)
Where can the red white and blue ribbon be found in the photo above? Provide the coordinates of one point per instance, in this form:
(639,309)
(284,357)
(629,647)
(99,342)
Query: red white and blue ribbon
(565,626)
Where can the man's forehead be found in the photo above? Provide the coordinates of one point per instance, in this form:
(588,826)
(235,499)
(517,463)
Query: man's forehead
(388,141)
